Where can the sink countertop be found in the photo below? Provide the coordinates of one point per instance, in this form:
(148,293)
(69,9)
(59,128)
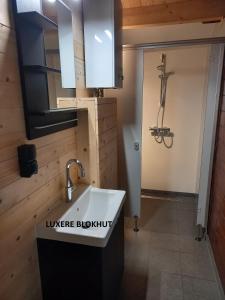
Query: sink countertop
(64,206)
(42,231)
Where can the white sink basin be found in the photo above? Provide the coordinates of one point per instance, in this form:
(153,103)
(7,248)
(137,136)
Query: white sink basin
(96,207)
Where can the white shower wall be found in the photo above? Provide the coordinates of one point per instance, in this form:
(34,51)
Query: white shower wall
(175,169)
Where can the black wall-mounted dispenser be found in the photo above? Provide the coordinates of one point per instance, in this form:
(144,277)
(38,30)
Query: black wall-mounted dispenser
(27,160)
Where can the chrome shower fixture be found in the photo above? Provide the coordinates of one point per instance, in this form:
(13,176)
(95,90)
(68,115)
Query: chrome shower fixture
(159,131)
(164,78)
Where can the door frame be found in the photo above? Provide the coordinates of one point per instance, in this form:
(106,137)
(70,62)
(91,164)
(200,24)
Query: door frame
(210,114)
(209,135)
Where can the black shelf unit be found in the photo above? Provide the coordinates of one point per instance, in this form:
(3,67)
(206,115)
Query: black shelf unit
(39,118)
(56,111)
(38,20)
(36,68)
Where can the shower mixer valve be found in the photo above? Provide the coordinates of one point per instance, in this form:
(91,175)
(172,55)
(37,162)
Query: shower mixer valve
(162,132)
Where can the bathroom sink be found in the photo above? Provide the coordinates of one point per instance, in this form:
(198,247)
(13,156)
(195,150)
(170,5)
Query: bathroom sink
(88,220)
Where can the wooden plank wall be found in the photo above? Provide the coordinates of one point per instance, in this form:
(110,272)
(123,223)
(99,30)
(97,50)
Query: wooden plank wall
(107,148)
(23,202)
(97,139)
(160,12)
(216,228)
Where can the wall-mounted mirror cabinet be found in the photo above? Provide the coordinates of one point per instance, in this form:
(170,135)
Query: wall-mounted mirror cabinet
(47,64)
(103,43)
(56,81)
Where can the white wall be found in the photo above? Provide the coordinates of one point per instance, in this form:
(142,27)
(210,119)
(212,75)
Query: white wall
(176,169)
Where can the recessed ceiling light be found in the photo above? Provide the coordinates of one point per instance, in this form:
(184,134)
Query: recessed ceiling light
(52,1)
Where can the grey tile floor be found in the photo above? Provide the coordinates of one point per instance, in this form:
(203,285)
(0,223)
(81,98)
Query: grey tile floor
(163,261)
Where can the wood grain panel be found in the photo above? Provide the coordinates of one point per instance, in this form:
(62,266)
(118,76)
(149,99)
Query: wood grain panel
(89,151)
(216,227)
(106,137)
(107,131)
(138,3)
(9,69)
(172,12)
(99,126)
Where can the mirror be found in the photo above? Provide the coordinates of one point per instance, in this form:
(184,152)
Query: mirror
(59,52)
(52,55)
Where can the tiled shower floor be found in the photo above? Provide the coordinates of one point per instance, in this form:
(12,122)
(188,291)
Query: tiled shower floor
(163,261)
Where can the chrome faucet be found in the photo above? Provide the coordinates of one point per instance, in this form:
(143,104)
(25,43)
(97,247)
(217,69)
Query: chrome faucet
(70,186)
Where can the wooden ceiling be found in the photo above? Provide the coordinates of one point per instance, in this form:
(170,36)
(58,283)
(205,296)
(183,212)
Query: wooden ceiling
(139,3)
(155,12)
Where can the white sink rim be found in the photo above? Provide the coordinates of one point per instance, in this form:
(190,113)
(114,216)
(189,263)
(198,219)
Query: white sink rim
(91,237)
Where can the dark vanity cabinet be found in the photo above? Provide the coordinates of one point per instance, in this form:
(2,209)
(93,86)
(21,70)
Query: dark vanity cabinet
(79,272)
(37,74)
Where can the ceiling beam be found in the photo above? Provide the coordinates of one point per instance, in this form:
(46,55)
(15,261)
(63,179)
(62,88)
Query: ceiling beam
(174,12)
